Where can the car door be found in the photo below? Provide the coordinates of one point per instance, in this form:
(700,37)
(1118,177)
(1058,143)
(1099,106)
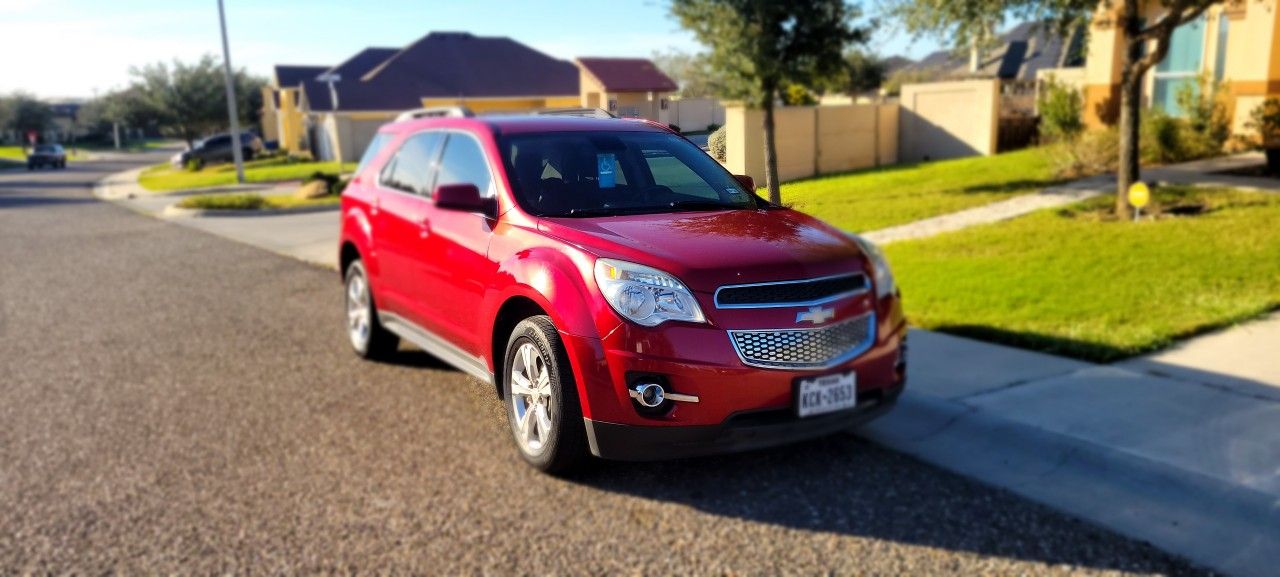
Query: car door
(458,269)
(401,226)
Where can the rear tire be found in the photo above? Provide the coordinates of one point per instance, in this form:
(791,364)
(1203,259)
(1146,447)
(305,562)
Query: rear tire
(368,337)
(541,397)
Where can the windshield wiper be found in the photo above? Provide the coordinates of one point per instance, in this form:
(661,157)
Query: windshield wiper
(701,205)
(603,211)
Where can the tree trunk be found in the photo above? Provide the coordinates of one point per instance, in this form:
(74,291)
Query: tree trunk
(1128,171)
(770,152)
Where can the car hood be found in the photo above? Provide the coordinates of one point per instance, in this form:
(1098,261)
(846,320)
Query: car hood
(707,250)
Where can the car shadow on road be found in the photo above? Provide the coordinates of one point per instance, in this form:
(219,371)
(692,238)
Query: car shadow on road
(845,485)
(413,357)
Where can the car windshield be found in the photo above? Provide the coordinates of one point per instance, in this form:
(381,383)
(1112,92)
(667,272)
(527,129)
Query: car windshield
(46,149)
(581,174)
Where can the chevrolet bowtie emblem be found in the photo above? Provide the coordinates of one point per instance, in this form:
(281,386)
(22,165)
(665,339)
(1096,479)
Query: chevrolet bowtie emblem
(816,315)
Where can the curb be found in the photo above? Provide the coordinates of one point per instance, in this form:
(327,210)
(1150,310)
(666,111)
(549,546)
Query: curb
(1221,526)
(174,211)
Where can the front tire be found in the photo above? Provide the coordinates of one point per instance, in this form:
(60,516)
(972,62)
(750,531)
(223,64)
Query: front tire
(541,396)
(368,337)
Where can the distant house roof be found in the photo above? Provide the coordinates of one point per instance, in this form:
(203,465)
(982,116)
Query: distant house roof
(1017,55)
(442,65)
(289,76)
(365,60)
(628,74)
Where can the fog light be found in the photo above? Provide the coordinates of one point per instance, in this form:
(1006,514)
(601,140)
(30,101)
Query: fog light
(648,394)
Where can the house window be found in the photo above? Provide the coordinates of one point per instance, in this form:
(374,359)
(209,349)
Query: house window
(1180,66)
(662,104)
(613,104)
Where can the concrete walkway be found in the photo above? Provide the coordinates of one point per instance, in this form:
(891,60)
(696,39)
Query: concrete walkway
(1180,449)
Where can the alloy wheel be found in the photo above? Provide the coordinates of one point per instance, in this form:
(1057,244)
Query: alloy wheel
(531,401)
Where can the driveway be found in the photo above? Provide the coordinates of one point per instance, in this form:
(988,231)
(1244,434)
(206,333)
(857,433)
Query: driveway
(175,402)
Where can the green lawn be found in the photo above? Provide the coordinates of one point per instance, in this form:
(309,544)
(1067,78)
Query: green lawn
(1073,282)
(878,198)
(164,178)
(253,201)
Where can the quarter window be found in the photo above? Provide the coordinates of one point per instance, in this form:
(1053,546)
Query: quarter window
(464,163)
(412,168)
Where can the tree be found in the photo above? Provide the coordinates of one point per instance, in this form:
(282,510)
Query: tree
(863,72)
(759,47)
(1145,45)
(188,100)
(25,113)
(692,72)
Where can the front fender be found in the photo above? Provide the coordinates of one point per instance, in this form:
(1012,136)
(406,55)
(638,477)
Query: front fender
(561,283)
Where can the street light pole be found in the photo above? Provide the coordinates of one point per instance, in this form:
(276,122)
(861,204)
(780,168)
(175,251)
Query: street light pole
(236,152)
(330,79)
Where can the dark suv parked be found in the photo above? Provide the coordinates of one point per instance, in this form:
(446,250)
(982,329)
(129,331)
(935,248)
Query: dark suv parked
(217,148)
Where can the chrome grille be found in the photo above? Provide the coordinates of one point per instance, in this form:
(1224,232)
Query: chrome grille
(792,292)
(814,348)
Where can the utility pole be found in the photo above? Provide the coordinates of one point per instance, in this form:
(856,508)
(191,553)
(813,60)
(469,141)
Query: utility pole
(236,151)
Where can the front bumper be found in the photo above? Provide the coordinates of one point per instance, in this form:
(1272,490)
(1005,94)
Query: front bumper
(742,432)
(739,407)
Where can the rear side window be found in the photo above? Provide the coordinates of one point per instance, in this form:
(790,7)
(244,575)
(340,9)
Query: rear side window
(412,168)
(379,141)
(464,163)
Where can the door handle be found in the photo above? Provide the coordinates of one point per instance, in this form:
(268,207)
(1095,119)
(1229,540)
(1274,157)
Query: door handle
(424,227)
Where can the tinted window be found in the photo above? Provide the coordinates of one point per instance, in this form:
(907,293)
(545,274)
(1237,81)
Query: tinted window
(412,168)
(464,162)
(217,141)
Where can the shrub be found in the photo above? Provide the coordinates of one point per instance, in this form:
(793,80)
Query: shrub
(1265,122)
(717,144)
(193,165)
(797,95)
(1093,152)
(1161,138)
(1060,108)
(1207,116)
(713,127)
(247,201)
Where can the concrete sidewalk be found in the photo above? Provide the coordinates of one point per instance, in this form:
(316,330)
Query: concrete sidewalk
(1190,464)
(1180,449)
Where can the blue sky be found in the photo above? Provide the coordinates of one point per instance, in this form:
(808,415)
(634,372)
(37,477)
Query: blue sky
(88,45)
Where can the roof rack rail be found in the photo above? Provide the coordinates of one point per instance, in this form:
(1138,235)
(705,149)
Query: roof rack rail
(582,112)
(436,112)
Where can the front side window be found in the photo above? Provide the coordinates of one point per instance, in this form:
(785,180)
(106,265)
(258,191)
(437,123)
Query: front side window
(464,163)
(412,168)
(371,152)
(608,173)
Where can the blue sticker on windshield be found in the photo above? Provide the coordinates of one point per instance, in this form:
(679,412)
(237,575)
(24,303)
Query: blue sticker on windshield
(605,165)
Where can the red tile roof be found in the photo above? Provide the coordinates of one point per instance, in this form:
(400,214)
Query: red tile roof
(628,74)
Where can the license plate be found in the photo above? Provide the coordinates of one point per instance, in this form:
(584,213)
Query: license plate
(826,393)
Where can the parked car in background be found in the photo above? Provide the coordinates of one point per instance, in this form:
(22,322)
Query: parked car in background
(218,149)
(51,155)
(625,295)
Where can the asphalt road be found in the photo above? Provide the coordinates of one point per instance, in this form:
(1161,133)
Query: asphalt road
(173,402)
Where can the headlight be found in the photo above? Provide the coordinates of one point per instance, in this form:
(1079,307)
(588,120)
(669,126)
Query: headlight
(644,295)
(882,275)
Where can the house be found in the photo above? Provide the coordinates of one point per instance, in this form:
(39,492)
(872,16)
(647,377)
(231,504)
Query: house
(1234,44)
(627,87)
(1018,54)
(334,111)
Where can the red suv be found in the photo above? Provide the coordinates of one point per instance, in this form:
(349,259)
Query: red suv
(623,293)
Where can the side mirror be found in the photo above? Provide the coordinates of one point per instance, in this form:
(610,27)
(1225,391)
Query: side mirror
(746,181)
(463,197)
